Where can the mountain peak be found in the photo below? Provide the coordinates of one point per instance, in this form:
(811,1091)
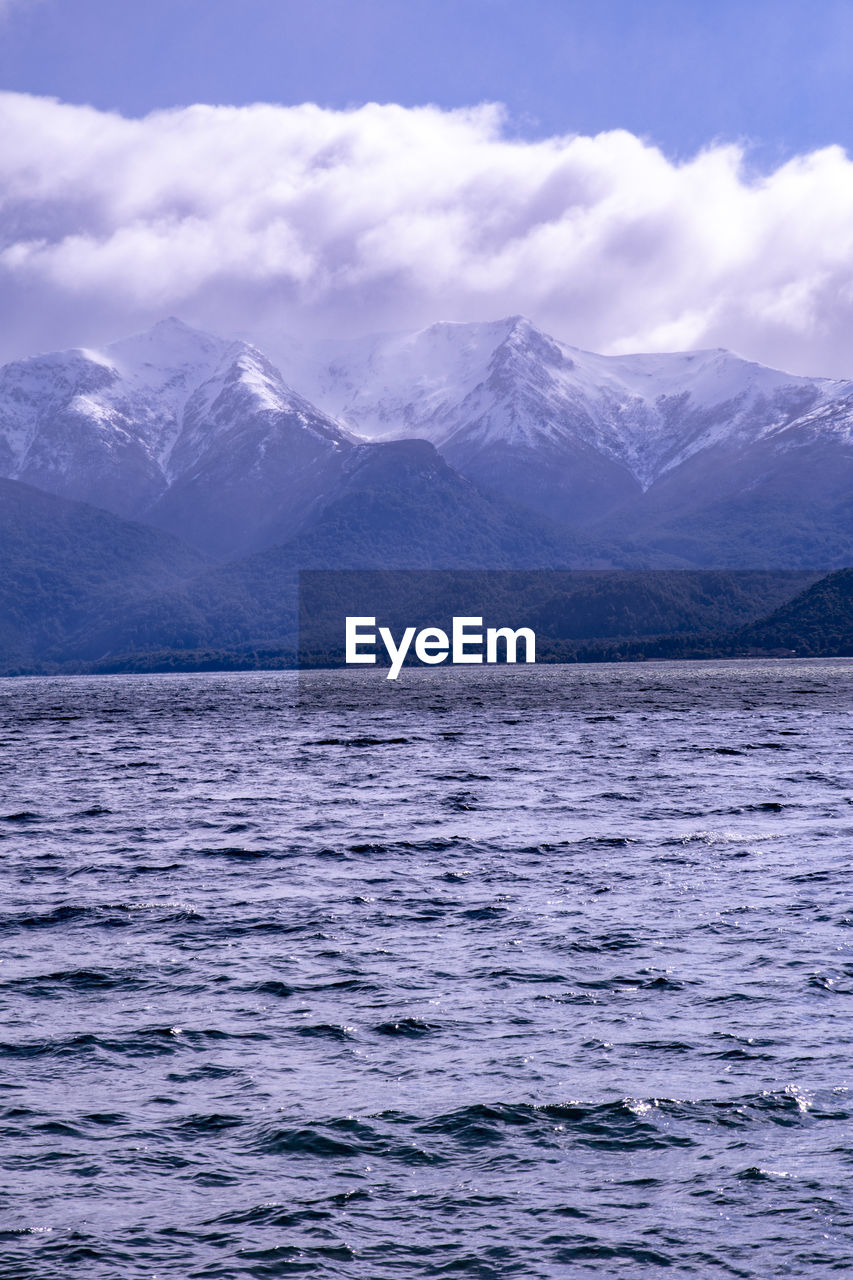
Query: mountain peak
(171,324)
(170,345)
(519,323)
(173,330)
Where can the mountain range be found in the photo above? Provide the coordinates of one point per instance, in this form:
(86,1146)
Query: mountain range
(700,455)
(698,458)
(190,477)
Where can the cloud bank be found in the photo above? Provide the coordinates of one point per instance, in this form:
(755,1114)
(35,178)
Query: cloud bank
(268,220)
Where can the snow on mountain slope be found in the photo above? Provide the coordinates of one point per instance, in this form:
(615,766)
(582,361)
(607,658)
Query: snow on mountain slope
(251,454)
(158,373)
(203,437)
(131,391)
(118,427)
(471,387)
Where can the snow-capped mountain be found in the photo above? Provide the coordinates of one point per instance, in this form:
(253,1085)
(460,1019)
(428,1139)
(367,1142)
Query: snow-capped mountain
(572,433)
(697,458)
(173,425)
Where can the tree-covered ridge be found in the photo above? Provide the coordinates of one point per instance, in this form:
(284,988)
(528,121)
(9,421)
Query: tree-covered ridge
(64,565)
(817,623)
(83,589)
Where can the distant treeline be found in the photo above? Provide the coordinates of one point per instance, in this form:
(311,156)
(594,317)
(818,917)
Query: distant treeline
(816,622)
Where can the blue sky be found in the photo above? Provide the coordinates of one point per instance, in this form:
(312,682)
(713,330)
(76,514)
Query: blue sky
(681,72)
(660,175)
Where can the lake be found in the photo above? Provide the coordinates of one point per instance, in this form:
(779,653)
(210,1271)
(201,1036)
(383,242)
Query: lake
(519,972)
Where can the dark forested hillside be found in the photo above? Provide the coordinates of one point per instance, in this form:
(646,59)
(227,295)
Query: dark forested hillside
(64,565)
(816,623)
(79,586)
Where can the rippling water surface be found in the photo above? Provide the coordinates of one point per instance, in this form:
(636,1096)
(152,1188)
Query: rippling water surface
(527,973)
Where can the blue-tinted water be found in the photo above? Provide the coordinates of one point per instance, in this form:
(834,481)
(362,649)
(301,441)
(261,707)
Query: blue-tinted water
(529,973)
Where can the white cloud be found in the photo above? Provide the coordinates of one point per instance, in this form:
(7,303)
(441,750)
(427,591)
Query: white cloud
(266,219)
